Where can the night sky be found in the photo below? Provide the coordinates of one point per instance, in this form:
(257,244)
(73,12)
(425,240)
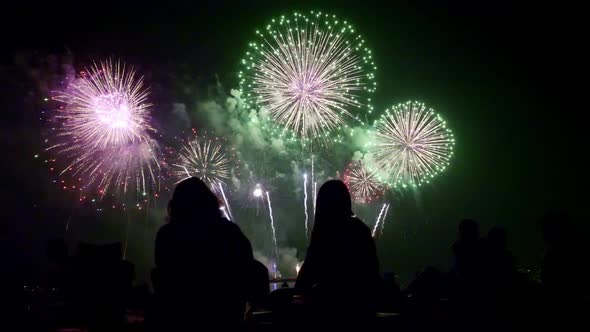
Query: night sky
(505,78)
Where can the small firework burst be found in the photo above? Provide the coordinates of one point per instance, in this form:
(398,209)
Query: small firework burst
(363,183)
(206,158)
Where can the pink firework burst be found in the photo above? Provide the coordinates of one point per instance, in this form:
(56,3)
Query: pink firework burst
(362,183)
(106,106)
(102,132)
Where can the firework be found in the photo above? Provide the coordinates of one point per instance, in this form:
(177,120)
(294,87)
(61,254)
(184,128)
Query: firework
(224,210)
(315,195)
(384,218)
(106,107)
(310,73)
(227,213)
(314,185)
(410,145)
(205,158)
(379,221)
(305,204)
(363,183)
(127,167)
(102,131)
(272,226)
(257,192)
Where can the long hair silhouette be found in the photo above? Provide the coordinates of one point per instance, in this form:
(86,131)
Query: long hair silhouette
(192,200)
(333,206)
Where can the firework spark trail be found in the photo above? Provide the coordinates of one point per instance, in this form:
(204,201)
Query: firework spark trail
(272,226)
(377,221)
(225,213)
(72,210)
(312,171)
(410,145)
(383,219)
(313,184)
(230,217)
(315,195)
(305,205)
(309,73)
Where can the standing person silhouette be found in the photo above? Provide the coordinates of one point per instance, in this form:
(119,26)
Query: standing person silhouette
(340,273)
(198,255)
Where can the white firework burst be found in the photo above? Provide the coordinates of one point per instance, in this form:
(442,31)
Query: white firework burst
(309,73)
(410,145)
(206,159)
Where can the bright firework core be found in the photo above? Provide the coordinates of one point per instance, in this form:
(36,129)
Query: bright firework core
(306,92)
(257,192)
(113,111)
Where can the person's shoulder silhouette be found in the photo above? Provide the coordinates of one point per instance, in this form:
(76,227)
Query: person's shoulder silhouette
(341,265)
(197,255)
(500,259)
(467,251)
(564,267)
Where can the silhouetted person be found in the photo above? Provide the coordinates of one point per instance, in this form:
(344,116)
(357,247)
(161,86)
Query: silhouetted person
(467,252)
(101,284)
(426,301)
(391,295)
(500,268)
(204,264)
(500,292)
(563,261)
(564,271)
(341,271)
(259,288)
(467,273)
(428,285)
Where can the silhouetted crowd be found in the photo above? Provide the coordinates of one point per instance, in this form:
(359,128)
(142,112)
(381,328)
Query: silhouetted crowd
(206,279)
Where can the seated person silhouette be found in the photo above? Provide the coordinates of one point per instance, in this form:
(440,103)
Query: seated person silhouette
(204,264)
(564,272)
(340,274)
(101,282)
(468,253)
(500,266)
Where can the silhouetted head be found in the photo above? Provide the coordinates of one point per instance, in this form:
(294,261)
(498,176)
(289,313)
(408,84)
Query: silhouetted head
(497,237)
(192,199)
(333,201)
(468,229)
